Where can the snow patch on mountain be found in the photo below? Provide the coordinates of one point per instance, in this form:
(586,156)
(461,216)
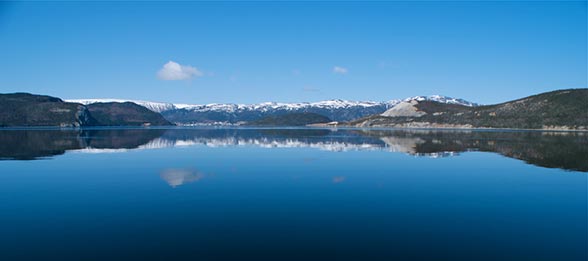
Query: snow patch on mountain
(442,99)
(268,106)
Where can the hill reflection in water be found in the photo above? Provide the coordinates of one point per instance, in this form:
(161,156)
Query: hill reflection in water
(564,150)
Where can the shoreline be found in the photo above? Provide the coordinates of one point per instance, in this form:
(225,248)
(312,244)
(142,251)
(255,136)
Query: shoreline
(311,126)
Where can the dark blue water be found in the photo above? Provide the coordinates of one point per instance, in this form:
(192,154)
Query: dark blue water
(297,194)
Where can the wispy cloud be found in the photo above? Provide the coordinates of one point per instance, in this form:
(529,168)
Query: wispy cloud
(173,71)
(340,70)
(310,89)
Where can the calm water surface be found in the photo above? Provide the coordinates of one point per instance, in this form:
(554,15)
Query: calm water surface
(292,194)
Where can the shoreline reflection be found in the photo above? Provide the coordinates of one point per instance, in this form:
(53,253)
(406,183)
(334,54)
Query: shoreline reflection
(564,150)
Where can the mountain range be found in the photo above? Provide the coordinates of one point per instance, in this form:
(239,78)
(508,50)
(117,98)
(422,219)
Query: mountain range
(230,113)
(556,110)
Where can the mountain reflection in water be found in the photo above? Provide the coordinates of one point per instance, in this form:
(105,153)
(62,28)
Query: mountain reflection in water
(564,150)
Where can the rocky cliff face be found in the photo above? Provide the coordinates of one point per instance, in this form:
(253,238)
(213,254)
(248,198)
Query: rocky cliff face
(83,117)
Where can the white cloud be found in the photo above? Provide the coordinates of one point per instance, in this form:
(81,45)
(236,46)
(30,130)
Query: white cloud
(340,70)
(173,71)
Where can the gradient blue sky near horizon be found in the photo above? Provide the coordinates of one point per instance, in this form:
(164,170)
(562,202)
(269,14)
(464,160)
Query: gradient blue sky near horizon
(248,52)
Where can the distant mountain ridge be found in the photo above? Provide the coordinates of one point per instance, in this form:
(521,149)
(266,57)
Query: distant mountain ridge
(335,103)
(231,113)
(442,99)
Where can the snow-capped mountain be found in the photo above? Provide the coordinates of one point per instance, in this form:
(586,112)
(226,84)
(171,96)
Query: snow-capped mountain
(442,99)
(268,106)
(230,113)
(337,110)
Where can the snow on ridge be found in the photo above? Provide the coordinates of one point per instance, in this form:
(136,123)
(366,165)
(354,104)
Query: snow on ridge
(406,107)
(442,99)
(266,106)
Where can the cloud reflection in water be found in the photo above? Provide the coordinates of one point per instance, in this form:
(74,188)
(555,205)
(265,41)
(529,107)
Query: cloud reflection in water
(178,177)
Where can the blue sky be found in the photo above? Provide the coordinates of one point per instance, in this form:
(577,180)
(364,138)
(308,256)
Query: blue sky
(247,52)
